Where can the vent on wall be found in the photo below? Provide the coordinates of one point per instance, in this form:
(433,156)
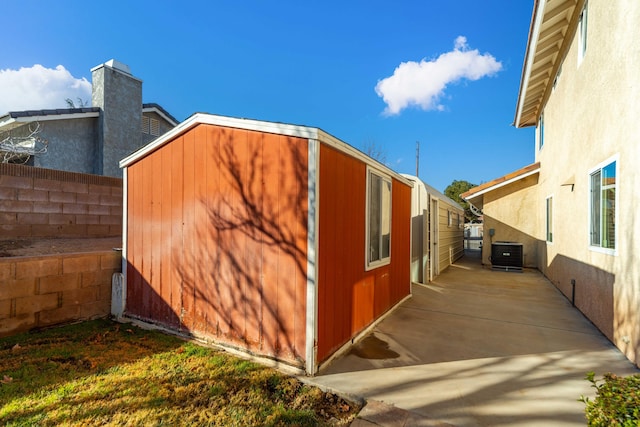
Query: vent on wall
(507,256)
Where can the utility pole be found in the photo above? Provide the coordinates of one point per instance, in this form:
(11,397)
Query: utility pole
(417,156)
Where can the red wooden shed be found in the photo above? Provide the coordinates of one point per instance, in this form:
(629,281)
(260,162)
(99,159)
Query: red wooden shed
(277,240)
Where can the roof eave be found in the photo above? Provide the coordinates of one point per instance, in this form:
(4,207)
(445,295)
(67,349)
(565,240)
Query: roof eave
(550,36)
(534,30)
(501,182)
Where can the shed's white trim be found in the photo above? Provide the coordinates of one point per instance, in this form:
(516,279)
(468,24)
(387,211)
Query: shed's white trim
(260,126)
(313,193)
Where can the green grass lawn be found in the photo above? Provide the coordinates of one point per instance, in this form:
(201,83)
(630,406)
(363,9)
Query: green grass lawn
(105,373)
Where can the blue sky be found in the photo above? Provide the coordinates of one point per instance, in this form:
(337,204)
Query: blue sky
(452,68)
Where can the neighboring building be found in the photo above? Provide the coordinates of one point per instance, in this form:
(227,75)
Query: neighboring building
(278,240)
(576,209)
(93,140)
(437,233)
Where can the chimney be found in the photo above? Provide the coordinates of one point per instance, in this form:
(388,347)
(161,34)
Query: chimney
(118,94)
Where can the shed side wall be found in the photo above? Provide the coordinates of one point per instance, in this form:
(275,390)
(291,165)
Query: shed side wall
(350,298)
(451,239)
(217,239)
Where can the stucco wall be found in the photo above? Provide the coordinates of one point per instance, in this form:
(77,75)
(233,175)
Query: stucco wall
(592,116)
(71,145)
(513,213)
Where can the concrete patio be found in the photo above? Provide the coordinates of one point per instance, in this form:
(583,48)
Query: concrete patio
(477,347)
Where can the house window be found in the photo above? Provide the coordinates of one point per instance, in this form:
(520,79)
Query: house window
(603,206)
(378,219)
(449,219)
(550,219)
(582,34)
(541,131)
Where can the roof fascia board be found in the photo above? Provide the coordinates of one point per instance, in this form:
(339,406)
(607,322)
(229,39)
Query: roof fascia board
(58,117)
(530,56)
(503,183)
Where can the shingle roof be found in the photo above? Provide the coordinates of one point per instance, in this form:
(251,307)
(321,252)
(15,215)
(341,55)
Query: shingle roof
(503,180)
(59,111)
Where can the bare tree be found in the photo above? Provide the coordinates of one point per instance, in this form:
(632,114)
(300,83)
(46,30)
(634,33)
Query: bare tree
(72,104)
(15,148)
(375,151)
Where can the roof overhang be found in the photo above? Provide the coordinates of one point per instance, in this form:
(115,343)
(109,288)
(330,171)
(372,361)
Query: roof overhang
(553,25)
(155,108)
(475,195)
(259,126)
(16,119)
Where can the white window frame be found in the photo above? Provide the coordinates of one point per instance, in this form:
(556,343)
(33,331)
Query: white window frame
(549,219)
(540,131)
(592,171)
(382,261)
(583,28)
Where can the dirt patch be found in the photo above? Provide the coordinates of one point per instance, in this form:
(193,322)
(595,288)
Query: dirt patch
(38,247)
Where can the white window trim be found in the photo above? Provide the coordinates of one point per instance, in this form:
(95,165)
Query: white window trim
(540,131)
(600,249)
(583,28)
(384,261)
(546,212)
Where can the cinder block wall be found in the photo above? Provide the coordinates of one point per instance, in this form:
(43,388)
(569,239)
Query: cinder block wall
(53,289)
(37,202)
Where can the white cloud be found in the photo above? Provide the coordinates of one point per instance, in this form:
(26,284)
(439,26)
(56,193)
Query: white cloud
(423,83)
(38,88)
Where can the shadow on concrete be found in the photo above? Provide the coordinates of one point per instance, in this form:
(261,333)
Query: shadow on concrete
(481,347)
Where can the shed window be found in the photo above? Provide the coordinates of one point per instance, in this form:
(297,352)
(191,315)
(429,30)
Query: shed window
(378,219)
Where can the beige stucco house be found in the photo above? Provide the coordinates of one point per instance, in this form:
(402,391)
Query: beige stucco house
(577,208)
